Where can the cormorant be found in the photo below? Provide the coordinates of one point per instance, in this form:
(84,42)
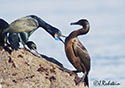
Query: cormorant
(29,24)
(32,46)
(76,52)
(14,40)
(3,26)
(25,26)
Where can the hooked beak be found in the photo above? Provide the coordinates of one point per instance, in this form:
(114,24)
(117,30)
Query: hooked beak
(75,23)
(57,37)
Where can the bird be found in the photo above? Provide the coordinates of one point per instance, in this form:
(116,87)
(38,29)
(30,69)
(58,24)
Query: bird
(25,26)
(32,46)
(14,40)
(31,23)
(3,26)
(76,53)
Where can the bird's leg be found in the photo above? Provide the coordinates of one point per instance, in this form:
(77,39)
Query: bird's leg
(77,80)
(25,47)
(5,40)
(5,44)
(83,79)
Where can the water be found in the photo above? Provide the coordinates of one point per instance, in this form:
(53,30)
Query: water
(105,41)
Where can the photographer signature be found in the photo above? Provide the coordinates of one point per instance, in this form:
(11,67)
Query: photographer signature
(105,83)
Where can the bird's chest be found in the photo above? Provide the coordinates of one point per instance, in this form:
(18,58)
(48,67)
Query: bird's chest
(75,61)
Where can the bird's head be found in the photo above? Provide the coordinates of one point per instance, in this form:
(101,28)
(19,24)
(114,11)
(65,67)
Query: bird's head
(82,22)
(57,34)
(31,45)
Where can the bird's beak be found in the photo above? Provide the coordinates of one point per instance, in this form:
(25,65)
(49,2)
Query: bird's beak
(75,23)
(57,37)
(63,36)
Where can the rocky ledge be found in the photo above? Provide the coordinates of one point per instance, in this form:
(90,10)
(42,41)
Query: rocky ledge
(22,69)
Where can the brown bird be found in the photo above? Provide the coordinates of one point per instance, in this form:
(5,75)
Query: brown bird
(76,52)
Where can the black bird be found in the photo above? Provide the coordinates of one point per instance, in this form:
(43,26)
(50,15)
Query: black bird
(3,26)
(76,52)
(27,25)
(14,40)
(32,46)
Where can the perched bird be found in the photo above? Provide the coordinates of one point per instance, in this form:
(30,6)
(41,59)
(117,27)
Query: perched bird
(76,52)
(29,24)
(32,46)
(14,40)
(3,26)
(25,26)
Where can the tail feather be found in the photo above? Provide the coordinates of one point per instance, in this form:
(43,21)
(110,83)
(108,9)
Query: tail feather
(86,81)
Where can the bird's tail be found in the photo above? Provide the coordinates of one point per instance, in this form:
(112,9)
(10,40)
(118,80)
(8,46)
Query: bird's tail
(86,81)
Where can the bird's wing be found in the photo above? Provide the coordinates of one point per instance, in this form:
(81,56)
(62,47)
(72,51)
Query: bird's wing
(82,54)
(26,21)
(32,22)
(23,25)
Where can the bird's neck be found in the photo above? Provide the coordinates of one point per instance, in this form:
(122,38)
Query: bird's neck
(84,30)
(78,32)
(46,26)
(43,24)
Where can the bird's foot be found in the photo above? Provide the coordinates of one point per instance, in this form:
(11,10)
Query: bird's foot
(79,80)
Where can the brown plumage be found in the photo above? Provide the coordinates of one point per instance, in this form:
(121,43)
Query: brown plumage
(76,52)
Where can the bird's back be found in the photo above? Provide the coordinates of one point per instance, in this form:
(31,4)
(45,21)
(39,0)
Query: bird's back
(22,25)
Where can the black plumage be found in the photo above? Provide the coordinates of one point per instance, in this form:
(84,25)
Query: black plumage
(3,26)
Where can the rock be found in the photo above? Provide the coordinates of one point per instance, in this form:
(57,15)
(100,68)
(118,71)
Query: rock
(22,69)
